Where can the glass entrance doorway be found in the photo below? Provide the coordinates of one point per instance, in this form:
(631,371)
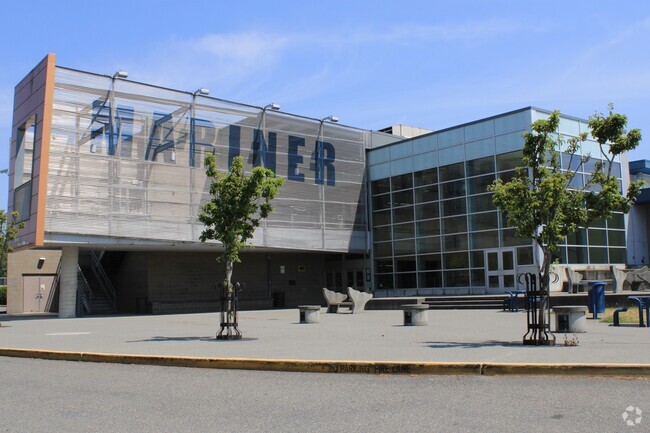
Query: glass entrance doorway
(501,268)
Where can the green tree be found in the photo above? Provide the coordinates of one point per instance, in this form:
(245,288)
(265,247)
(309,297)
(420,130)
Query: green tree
(233,213)
(9,227)
(545,204)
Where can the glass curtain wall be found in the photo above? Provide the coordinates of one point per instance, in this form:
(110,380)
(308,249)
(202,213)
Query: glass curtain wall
(433,220)
(431,227)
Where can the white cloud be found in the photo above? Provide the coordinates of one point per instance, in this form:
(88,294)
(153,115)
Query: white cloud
(231,62)
(614,67)
(470,30)
(243,47)
(215,60)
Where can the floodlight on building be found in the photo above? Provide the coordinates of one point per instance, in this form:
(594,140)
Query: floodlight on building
(201,91)
(332,119)
(272,106)
(121,74)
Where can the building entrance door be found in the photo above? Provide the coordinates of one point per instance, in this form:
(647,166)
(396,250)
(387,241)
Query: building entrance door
(355,279)
(36,291)
(501,268)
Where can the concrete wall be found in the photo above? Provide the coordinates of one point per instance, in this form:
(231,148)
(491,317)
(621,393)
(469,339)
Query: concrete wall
(302,281)
(187,281)
(22,263)
(130,281)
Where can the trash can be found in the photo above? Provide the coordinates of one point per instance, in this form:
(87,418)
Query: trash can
(596,298)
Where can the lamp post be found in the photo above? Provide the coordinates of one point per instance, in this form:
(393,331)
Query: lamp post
(203,92)
(275,107)
(112,143)
(320,169)
(272,106)
(112,138)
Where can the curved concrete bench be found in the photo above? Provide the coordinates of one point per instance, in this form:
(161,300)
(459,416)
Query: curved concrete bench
(638,279)
(574,278)
(619,276)
(335,300)
(359,299)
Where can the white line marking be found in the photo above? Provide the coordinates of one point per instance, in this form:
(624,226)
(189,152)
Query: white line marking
(69,333)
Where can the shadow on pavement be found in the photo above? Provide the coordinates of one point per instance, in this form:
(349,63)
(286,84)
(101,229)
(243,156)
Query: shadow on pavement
(159,339)
(466,345)
(21,317)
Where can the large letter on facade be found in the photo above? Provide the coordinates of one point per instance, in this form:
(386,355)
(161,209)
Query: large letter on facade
(263,153)
(325,163)
(295,158)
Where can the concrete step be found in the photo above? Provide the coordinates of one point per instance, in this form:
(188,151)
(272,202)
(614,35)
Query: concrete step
(483,302)
(467,306)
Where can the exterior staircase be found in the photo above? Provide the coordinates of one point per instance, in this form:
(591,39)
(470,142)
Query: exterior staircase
(96,294)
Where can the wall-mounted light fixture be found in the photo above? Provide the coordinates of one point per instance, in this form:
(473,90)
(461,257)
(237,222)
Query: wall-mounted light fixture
(121,74)
(332,119)
(272,106)
(201,91)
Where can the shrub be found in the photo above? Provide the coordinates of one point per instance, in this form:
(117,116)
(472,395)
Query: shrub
(3,295)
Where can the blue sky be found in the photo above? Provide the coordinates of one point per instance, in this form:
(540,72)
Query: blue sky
(431,64)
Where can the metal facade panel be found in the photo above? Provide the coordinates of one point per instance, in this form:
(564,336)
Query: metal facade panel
(124,165)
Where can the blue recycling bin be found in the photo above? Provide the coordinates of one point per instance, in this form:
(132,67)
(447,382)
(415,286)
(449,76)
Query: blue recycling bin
(596,298)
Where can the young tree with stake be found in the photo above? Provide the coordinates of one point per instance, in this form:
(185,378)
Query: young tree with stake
(238,204)
(543,203)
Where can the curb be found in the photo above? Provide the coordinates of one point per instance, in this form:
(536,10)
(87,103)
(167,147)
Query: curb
(635,371)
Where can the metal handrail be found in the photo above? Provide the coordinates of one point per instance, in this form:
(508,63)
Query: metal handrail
(103,279)
(84,296)
(55,287)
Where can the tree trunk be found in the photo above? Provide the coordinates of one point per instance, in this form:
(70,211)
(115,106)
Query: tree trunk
(544,283)
(230,309)
(228,284)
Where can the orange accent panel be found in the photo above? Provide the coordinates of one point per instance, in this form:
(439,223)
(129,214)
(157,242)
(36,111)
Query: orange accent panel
(45,150)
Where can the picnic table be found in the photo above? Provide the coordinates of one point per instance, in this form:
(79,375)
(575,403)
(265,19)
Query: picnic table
(643,303)
(512,303)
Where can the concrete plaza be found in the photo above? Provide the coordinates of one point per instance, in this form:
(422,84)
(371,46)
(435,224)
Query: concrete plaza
(484,336)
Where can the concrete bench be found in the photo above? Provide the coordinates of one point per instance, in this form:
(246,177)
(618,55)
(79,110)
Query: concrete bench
(570,318)
(335,300)
(638,279)
(416,314)
(574,278)
(619,276)
(359,299)
(309,313)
